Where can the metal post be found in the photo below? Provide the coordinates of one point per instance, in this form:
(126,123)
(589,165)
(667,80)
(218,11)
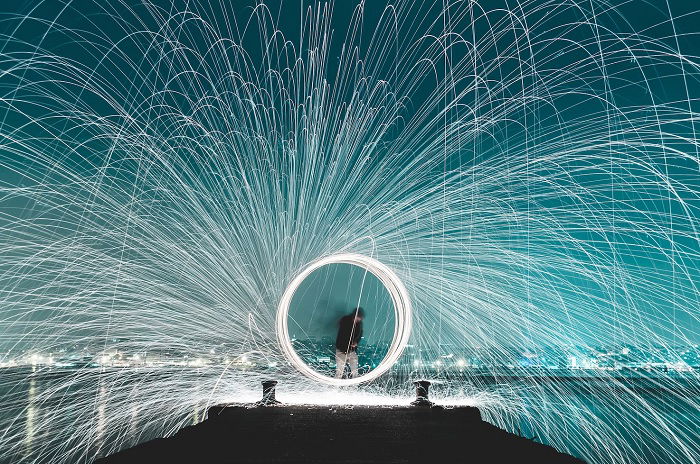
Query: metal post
(268,398)
(422,393)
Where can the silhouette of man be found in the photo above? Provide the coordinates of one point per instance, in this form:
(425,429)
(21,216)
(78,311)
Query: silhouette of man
(349,335)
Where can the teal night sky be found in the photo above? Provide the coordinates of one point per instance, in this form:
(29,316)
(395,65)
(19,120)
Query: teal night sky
(538,175)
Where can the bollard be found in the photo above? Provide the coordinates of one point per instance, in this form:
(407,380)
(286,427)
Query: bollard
(268,398)
(421,393)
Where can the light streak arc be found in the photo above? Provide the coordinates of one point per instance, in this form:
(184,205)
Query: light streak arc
(402,321)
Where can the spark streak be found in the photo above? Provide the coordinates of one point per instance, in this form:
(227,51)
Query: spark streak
(529,171)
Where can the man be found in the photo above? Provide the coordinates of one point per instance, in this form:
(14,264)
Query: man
(349,335)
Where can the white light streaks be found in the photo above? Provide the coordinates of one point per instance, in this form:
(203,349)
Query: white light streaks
(528,170)
(402,322)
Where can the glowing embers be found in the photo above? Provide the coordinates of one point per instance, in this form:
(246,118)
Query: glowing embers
(307,310)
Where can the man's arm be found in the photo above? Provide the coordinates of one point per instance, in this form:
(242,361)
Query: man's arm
(358,335)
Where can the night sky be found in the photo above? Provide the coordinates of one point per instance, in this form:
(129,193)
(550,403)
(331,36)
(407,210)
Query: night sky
(641,233)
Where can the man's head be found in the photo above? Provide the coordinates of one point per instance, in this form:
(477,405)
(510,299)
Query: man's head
(358,313)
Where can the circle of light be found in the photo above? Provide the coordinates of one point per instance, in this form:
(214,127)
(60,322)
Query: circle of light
(402,311)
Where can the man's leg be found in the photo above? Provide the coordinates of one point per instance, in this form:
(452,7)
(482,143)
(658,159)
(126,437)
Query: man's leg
(352,360)
(340,358)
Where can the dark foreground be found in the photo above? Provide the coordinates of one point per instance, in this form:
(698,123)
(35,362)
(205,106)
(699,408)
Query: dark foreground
(325,434)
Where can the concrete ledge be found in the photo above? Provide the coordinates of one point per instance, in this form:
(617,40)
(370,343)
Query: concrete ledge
(337,434)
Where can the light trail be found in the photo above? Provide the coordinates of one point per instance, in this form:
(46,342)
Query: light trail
(528,170)
(402,321)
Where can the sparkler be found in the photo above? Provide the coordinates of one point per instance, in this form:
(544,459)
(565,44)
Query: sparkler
(529,173)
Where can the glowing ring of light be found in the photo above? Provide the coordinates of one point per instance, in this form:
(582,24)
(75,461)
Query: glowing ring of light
(402,321)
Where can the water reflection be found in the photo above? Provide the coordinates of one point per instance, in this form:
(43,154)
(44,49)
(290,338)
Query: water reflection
(48,422)
(52,421)
(30,417)
(198,413)
(101,418)
(134,419)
